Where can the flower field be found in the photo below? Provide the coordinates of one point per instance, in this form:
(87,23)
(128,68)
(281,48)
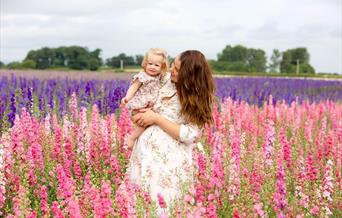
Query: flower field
(274,150)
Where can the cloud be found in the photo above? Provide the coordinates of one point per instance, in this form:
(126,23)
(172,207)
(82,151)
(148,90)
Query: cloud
(134,26)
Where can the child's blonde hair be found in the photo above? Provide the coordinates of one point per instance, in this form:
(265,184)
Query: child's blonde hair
(160,52)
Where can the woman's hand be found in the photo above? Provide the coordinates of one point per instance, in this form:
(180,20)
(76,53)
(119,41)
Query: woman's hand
(145,117)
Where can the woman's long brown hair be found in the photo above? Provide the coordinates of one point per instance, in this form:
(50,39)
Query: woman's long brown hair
(195,88)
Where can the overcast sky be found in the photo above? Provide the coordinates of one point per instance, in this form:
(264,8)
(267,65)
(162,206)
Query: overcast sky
(132,27)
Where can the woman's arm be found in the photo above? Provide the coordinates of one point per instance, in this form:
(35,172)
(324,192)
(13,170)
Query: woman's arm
(185,133)
(147,117)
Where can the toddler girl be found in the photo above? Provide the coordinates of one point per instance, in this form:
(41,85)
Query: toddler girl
(144,87)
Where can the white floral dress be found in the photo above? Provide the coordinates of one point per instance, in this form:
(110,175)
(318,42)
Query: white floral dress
(159,163)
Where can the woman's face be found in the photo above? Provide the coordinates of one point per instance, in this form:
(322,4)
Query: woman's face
(175,69)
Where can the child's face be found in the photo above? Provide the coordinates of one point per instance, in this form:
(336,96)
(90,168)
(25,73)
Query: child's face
(154,64)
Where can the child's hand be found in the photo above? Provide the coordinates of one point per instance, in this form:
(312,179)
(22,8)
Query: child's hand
(123,102)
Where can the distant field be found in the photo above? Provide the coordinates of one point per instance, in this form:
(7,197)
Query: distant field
(128,73)
(72,74)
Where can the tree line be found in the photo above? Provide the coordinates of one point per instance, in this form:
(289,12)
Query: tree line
(242,59)
(236,58)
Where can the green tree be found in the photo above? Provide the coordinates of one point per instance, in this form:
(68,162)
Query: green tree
(306,68)
(28,64)
(300,54)
(115,60)
(74,57)
(241,59)
(77,57)
(95,61)
(285,64)
(256,60)
(139,59)
(42,57)
(233,54)
(61,57)
(275,61)
(14,65)
(2,65)
(297,58)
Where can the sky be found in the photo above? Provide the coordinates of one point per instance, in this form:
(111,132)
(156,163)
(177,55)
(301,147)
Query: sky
(132,27)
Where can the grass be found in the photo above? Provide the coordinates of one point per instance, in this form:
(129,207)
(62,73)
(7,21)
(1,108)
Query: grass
(135,69)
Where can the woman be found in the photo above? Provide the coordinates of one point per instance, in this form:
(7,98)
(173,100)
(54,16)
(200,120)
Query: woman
(161,160)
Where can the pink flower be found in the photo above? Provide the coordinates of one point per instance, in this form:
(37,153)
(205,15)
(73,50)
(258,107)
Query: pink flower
(189,199)
(66,184)
(258,209)
(44,201)
(73,107)
(244,172)
(286,148)
(216,115)
(32,214)
(201,163)
(328,183)
(314,211)
(56,211)
(147,199)
(161,201)
(280,195)
(233,188)
(211,197)
(125,199)
(236,213)
(106,202)
(311,168)
(2,198)
(211,210)
(83,134)
(269,143)
(74,208)
(200,191)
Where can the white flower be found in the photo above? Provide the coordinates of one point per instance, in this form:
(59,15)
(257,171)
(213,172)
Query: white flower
(200,146)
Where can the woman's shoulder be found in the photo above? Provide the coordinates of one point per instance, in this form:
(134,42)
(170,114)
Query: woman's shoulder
(167,85)
(166,77)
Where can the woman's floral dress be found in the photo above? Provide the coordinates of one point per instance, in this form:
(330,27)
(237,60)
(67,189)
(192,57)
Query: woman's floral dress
(159,163)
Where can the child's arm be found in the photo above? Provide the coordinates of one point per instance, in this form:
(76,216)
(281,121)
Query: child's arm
(130,92)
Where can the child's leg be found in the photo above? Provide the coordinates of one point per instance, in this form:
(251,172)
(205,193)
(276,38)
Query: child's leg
(137,131)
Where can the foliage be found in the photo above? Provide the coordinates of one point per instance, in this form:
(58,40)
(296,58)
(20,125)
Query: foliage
(114,61)
(240,58)
(14,65)
(74,57)
(292,57)
(275,59)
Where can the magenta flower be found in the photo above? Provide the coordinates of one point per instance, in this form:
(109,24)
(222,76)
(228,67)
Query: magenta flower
(280,195)
(269,143)
(311,168)
(161,201)
(56,211)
